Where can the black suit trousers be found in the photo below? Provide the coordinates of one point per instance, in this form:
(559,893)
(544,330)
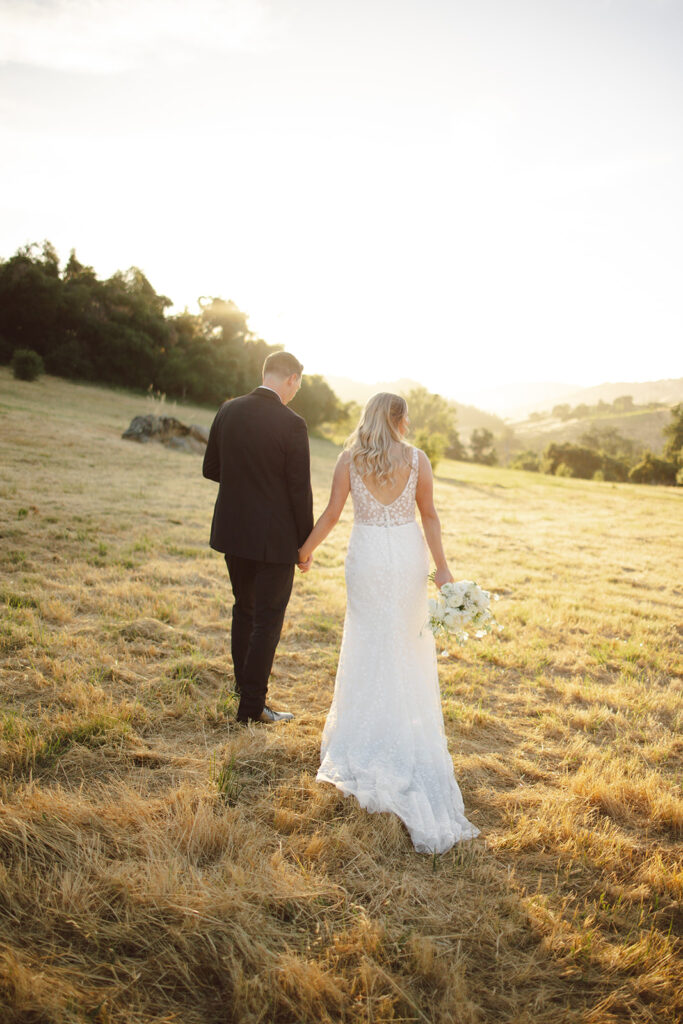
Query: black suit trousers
(261,591)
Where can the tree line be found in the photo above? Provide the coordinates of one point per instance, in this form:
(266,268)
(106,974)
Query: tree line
(604,454)
(118,332)
(621,405)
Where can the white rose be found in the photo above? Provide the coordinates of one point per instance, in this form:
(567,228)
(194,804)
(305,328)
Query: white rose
(454,620)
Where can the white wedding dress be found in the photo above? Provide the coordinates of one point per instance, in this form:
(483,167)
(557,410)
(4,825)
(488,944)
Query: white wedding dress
(384,739)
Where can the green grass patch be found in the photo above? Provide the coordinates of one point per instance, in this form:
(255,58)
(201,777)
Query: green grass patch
(14,600)
(30,748)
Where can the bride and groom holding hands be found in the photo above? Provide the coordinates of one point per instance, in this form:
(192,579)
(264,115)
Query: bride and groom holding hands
(384,739)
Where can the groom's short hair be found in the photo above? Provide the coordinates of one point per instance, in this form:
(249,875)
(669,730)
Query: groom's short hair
(282,364)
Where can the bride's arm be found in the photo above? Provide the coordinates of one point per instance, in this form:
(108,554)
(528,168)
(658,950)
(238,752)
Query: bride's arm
(431,524)
(341,485)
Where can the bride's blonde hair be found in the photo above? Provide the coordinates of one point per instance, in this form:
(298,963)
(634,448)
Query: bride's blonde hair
(372,445)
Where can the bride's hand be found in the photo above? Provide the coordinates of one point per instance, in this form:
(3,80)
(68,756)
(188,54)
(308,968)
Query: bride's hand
(442,576)
(305,561)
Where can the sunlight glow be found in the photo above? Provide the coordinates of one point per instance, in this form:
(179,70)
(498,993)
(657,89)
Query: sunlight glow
(499,203)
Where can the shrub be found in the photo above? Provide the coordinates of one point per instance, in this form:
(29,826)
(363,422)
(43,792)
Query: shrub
(481,443)
(653,471)
(581,462)
(562,412)
(433,445)
(614,470)
(317,402)
(526,460)
(578,461)
(673,432)
(432,414)
(26,364)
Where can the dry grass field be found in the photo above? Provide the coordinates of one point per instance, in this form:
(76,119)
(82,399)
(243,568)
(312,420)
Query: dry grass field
(159,865)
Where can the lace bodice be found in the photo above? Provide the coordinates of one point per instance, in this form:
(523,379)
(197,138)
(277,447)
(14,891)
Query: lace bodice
(368,511)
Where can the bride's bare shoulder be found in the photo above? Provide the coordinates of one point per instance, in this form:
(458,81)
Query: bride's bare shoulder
(342,469)
(423,463)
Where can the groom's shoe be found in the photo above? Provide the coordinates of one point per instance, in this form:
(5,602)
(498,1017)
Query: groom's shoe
(268,715)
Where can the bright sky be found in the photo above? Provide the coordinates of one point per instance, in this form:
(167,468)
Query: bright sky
(464,192)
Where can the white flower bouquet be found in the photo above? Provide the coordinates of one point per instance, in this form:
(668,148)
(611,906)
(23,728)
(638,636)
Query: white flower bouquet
(459,605)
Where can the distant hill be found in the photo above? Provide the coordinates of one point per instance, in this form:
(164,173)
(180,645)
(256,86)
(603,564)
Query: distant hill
(644,426)
(355,391)
(469,417)
(668,391)
(517,400)
(641,425)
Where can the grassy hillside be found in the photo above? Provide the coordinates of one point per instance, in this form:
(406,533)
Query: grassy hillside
(159,865)
(644,426)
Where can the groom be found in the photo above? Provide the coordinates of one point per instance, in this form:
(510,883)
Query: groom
(258,452)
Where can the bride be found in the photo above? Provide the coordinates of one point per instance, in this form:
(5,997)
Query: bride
(384,739)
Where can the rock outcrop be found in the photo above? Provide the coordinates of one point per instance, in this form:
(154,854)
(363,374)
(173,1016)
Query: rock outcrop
(168,431)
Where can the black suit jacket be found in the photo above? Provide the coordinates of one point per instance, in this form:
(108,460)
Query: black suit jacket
(258,452)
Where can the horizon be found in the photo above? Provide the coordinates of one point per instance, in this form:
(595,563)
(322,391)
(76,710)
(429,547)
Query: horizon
(512,400)
(458,187)
(502,400)
(504,405)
